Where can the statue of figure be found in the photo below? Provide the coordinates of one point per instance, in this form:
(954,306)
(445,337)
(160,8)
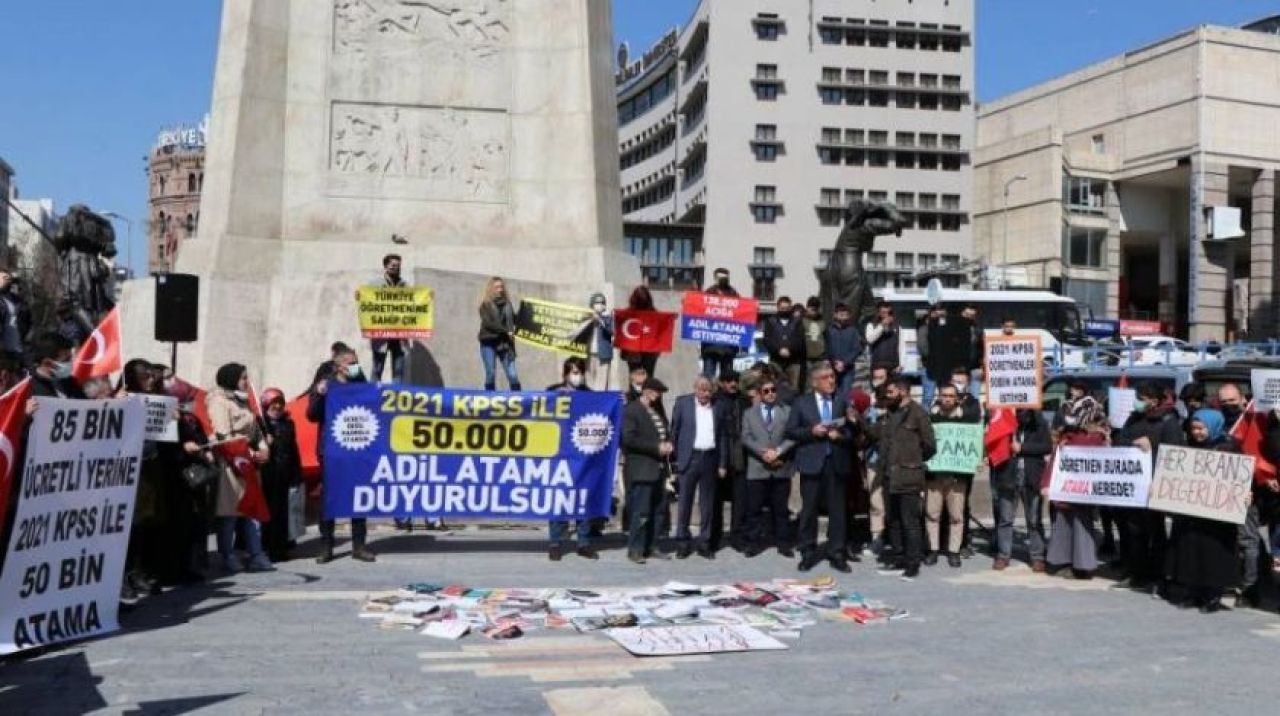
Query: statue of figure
(845,280)
(86,242)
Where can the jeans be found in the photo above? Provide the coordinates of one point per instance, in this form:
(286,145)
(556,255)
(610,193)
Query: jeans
(560,527)
(647,510)
(904,527)
(489,356)
(1032,507)
(359,530)
(397,364)
(227,536)
(927,389)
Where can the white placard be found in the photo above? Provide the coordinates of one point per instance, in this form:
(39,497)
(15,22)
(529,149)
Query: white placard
(1120,405)
(1202,483)
(161,418)
(66,555)
(1111,476)
(1266,390)
(692,639)
(1015,371)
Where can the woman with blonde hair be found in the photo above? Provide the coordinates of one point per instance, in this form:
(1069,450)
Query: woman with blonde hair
(497,334)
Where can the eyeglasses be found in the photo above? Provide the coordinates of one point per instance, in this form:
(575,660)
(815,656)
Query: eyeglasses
(768,391)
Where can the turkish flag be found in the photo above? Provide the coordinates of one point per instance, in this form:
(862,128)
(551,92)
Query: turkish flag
(13,419)
(308,434)
(100,355)
(201,410)
(253,503)
(643,331)
(1249,431)
(999,438)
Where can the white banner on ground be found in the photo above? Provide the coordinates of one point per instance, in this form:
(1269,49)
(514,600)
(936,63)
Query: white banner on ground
(1266,389)
(1202,483)
(1111,476)
(65,558)
(161,418)
(692,639)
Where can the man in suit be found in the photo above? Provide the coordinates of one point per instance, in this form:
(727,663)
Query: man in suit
(646,445)
(784,339)
(769,470)
(701,460)
(825,459)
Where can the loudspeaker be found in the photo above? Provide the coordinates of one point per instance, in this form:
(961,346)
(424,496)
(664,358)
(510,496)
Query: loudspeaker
(177,307)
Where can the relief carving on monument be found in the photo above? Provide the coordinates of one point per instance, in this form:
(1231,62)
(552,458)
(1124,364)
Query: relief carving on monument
(467,30)
(460,155)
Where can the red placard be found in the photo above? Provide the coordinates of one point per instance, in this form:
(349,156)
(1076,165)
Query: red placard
(725,308)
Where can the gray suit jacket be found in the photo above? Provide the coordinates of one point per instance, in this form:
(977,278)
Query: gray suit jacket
(757,437)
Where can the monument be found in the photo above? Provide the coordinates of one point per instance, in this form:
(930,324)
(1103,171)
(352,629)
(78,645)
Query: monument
(845,279)
(480,134)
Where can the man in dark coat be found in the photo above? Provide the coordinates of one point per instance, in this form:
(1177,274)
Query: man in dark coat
(784,340)
(882,337)
(844,344)
(730,404)
(826,461)
(904,437)
(949,343)
(647,448)
(346,369)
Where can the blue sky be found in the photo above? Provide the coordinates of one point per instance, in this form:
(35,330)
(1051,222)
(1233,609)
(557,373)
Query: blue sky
(88,83)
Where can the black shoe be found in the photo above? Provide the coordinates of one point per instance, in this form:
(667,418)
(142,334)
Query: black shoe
(911,572)
(1248,599)
(555,552)
(786,552)
(931,559)
(1213,606)
(660,555)
(706,552)
(586,551)
(840,565)
(751,552)
(128,595)
(683,551)
(634,557)
(854,554)
(966,552)
(809,562)
(953,560)
(326,556)
(363,554)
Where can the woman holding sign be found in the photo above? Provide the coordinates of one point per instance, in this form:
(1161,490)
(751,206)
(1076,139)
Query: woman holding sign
(1202,559)
(1073,543)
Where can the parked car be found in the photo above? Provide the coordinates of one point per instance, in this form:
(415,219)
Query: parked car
(1214,374)
(1100,380)
(1160,350)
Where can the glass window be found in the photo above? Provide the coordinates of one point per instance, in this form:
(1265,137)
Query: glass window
(765,214)
(766,72)
(831,74)
(927,261)
(1085,247)
(831,95)
(855,76)
(906,79)
(904,200)
(904,139)
(879,77)
(904,262)
(766,92)
(878,138)
(766,132)
(1098,143)
(1084,195)
(877,259)
(829,197)
(832,35)
(878,196)
(765,194)
(763,255)
(765,152)
(767,31)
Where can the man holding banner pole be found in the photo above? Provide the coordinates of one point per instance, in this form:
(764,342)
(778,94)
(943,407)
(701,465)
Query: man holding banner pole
(345,370)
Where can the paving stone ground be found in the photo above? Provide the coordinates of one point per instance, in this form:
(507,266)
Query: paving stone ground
(289,642)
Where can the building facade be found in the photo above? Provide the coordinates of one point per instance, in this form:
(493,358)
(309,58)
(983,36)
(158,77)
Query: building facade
(27,251)
(761,119)
(175,171)
(1120,184)
(6,191)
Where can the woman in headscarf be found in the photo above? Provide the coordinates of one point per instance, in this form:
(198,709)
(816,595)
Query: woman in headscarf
(497,334)
(279,474)
(146,561)
(1202,559)
(192,506)
(232,418)
(1073,546)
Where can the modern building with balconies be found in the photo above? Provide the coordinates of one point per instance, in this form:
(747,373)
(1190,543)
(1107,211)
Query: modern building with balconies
(749,129)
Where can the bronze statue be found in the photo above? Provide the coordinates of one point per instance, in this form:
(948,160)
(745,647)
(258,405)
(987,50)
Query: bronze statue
(845,280)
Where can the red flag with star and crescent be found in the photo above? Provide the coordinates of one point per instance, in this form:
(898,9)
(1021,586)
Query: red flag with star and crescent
(643,331)
(253,503)
(13,418)
(1250,432)
(100,355)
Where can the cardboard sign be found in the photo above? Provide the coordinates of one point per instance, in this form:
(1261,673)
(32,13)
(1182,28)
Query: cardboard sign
(1202,483)
(161,418)
(66,554)
(396,312)
(555,326)
(1015,371)
(719,320)
(1266,390)
(959,448)
(1120,405)
(1111,476)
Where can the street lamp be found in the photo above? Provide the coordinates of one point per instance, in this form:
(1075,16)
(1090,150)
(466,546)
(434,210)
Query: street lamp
(129,240)
(1004,258)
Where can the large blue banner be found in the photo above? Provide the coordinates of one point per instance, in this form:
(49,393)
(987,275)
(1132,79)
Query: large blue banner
(402,451)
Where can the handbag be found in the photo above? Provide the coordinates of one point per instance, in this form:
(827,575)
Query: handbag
(199,475)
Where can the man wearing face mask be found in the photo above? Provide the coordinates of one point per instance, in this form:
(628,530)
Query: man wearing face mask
(51,368)
(784,339)
(601,344)
(717,358)
(1143,539)
(346,369)
(573,378)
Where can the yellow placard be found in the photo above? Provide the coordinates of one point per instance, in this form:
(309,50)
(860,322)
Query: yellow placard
(396,313)
(461,436)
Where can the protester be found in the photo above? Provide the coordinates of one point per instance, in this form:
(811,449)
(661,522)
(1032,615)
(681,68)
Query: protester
(601,350)
(51,368)
(497,334)
(717,358)
(573,378)
(1008,326)
(394,348)
(194,500)
(701,460)
(843,344)
(641,300)
(229,413)
(326,368)
(769,470)
(647,448)
(71,323)
(825,458)
(872,408)
(1017,481)
(346,369)
(815,336)
(1265,493)
(145,559)
(946,488)
(15,317)
(882,338)
(281,474)
(1202,556)
(730,405)
(1143,540)
(944,351)
(906,441)
(1072,549)
(970,314)
(784,339)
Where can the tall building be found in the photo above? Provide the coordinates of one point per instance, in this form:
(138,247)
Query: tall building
(1144,185)
(751,127)
(28,252)
(175,168)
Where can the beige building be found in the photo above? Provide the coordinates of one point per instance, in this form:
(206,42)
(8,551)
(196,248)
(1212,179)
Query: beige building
(1116,183)
(175,169)
(750,128)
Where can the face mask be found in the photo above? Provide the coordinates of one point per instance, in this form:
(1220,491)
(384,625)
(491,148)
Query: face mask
(722,281)
(62,370)
(962,387)
(575,379)
(598,307)
(353,371)
(240,394)
(1140,406)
